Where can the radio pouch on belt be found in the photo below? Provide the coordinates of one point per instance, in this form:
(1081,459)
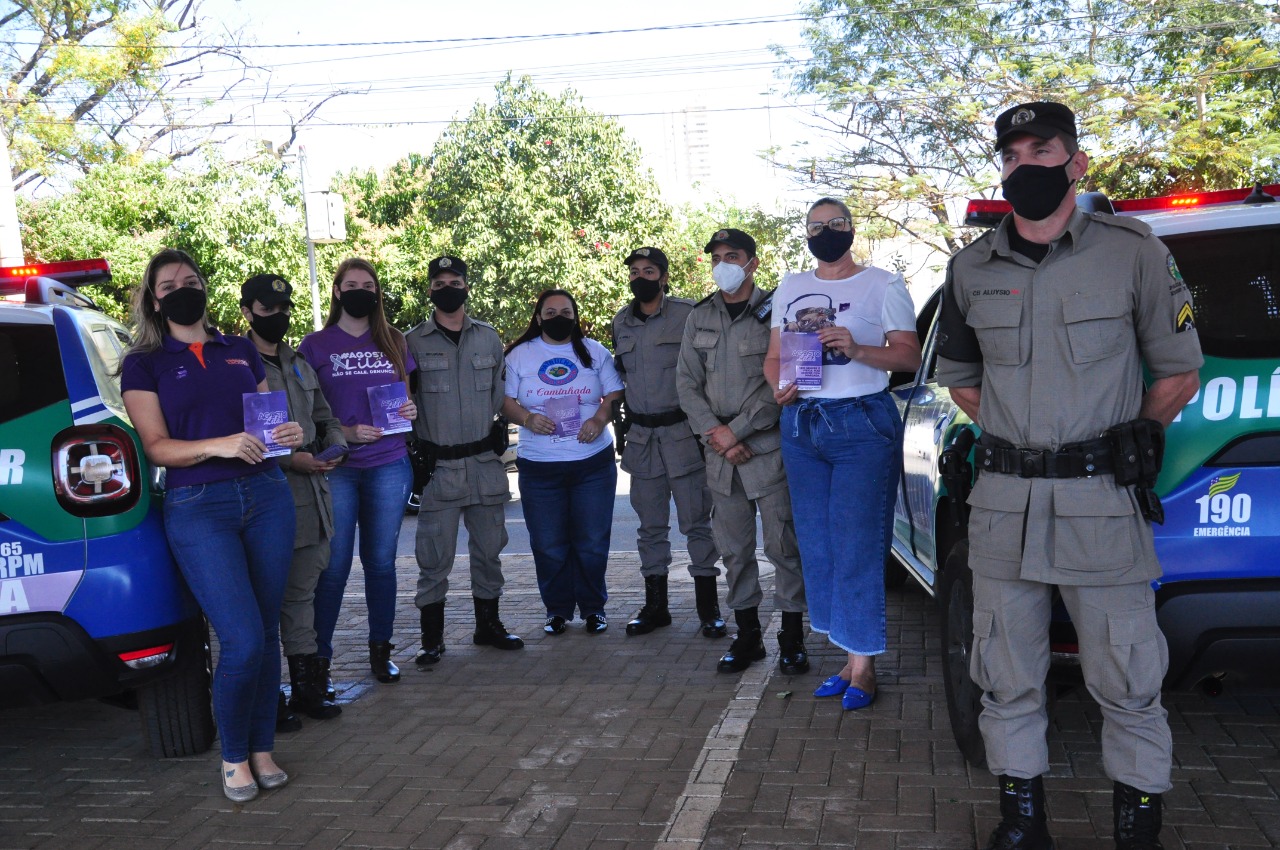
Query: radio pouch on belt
(1137,449)
(499,436)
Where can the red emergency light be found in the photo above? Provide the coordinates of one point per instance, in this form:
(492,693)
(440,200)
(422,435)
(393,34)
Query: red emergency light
(69,272)
(982,212)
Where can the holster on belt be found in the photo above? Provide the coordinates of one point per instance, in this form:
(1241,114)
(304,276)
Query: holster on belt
(499,436)
(620,426)
(1137,449)
(423,460)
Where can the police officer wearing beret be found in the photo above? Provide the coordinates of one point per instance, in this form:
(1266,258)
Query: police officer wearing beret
(266,303)
(662,454)
(459,393)
(1046,324)
(730,404)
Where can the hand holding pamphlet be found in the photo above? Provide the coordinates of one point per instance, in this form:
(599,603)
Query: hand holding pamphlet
(332,453)
(262,413)
(385,402)
(800,361)
(566,413)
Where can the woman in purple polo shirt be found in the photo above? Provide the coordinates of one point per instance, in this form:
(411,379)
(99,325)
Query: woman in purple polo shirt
(228,511)
(357,350)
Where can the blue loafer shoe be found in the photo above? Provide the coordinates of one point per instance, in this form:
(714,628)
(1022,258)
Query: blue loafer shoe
(856,698)
(832,687)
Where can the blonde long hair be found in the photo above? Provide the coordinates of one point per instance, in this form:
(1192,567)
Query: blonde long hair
(149,326)
(385,337)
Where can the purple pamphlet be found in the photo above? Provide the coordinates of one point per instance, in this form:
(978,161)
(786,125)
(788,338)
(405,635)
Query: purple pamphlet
(565,411)
(384,402)
(801,361)
(262,413)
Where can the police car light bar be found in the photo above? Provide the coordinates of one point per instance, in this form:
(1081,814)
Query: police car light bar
(68,272)
(982,212)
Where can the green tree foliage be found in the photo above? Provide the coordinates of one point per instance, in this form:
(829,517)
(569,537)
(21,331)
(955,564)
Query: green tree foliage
(780,244)
(1171,95)
(235,220)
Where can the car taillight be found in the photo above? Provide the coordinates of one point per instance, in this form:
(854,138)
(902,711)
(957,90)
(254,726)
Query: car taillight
(140,659)
(95,470)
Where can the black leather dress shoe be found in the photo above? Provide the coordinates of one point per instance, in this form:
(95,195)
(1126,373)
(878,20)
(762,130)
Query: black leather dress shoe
(747,647)
(596,623)
(554,626)
(793,658)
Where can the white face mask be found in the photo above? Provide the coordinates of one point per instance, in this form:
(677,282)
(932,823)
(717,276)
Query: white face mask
(728,277)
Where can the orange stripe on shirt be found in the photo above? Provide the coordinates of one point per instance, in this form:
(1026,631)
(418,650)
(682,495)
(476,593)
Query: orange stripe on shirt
(197,348)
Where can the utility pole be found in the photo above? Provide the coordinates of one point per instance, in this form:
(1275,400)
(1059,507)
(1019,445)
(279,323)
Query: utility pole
(311,246)
(10,238)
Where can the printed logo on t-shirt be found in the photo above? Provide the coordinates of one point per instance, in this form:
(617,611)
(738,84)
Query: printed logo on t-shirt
(236,361)
(360,363)
(811,313)
(557,371)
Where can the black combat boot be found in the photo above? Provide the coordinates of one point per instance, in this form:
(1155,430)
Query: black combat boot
(286,720)
(1137,818)
(489,629)
(748,644)
(432,619)
(654,614)
(322,676)
(306,685)
(1024,824)
(704,593)
(793,658)
(384,669)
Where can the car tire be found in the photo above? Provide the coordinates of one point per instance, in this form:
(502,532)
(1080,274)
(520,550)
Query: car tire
(177,711)
(955,617)
(895,575)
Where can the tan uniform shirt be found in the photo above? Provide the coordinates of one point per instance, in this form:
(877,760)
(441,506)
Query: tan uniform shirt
(647,354)
(1063,348)
(459,392)
(720,380)
(309,408)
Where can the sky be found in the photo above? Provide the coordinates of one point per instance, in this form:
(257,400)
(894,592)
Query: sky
(403,95)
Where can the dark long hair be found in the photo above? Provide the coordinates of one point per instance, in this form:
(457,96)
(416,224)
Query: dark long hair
(535,327)
(385,337)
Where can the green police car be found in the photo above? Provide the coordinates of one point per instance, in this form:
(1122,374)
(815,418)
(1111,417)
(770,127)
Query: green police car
(1218,602)
(91,602)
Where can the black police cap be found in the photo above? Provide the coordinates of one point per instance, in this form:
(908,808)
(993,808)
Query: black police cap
(653,255)
(734,239)
(446,264)
(1044,119)
(269,289)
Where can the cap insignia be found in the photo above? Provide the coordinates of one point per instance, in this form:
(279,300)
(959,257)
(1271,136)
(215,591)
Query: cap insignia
(279,285)
(1022,116)
(723,234)
(445,262)
(644,252)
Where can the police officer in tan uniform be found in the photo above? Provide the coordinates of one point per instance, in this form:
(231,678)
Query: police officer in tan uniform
(265,303)
(459,393)
(1046,325)
(730,405)
(662,454)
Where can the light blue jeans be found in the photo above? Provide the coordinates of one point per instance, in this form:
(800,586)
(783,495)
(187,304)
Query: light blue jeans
(374,498)
(843,460)
(233,541)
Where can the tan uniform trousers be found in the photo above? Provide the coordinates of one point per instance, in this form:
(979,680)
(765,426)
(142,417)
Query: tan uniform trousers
(298,611)
(436,545)
(1122,654)
(651,498)
(733,519)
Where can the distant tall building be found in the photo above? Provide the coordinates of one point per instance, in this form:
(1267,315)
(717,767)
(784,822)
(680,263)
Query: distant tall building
(687,148)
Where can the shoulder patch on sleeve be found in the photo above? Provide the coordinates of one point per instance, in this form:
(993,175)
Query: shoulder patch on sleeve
(1186,318)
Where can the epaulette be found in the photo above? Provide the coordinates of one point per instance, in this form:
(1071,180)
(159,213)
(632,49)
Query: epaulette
(483,323)
(984,239)
(1137,225)
(705,300)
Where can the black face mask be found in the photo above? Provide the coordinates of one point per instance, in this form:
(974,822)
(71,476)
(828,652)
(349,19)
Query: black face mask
(558,328)
(449,299)
(645,290)
(184,306)
(358,303)
(271,328)
(830,245)
(1036,191)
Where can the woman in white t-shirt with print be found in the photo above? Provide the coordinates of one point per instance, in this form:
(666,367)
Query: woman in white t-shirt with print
(561,387)
(842,441)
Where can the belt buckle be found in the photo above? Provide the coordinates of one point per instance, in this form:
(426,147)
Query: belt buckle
(1031,463)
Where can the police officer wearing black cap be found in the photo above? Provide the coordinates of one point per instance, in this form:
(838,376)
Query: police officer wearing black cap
(1046,326)
(459,393)
(266,304)
(662,454)
(730,404)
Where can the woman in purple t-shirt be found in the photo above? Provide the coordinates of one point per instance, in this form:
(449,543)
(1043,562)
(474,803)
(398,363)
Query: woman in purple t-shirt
(359,359)
(228,510)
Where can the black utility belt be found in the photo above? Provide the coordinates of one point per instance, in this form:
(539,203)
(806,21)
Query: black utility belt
(461,450)
(656,420)
(1076,460)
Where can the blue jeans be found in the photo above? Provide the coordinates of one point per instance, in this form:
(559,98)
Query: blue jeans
(233,541)
(568,508)
(843,460)
(375,498)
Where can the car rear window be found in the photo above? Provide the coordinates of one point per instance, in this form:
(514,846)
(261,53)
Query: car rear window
(30,370)
(1234,277)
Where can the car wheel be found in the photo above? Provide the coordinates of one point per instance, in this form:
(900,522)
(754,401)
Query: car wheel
(895,575)
(177,711)
(955,613)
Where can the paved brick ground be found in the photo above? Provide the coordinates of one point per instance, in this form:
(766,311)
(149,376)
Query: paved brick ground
(613,741)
